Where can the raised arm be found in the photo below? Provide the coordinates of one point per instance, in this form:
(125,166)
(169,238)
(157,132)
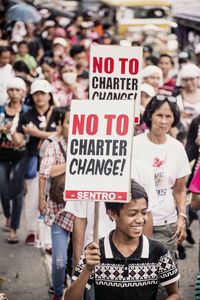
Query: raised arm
(76,289)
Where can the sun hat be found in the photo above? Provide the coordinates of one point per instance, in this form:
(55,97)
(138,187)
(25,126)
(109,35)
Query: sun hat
(148,89)
(16,83)
(40,85)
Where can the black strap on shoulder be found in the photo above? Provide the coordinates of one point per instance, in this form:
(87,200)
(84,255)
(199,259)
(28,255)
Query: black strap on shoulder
(62,150)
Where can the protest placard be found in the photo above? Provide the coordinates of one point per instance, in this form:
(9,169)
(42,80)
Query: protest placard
(99,151)
(115,74)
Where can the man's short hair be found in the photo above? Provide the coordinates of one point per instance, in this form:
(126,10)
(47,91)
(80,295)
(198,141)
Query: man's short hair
(76,49)
(137,192)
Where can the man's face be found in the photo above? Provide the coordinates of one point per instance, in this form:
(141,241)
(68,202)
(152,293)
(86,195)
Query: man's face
(165,64)
(81,59)
(23,49)
(4,58)
(132,218)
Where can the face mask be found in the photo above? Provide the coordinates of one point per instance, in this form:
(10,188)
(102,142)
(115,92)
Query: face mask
(69,78)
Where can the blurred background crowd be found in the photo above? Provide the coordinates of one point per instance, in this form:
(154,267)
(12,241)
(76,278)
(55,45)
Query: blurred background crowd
(44,65)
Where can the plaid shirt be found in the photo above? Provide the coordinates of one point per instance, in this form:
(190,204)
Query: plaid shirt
(55,212)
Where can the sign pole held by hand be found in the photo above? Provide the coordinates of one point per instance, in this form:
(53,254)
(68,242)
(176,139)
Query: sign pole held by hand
(96,222)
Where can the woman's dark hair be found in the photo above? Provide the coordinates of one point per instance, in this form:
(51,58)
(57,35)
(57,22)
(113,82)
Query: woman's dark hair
(155,104)
(20,66)
(49,61)
(59,113)
(137,192)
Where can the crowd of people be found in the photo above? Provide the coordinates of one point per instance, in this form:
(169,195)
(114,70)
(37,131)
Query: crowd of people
(43,68)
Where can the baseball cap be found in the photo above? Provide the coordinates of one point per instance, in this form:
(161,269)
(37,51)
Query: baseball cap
(148,89)
(60,41)
(41,85)
(49,23)
(16,83)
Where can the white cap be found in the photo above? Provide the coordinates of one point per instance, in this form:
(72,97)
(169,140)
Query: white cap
(49,23)
(148,89)
(149,70)
(60,41)
(189,70)
(41,85)
(197,49)
(17,83)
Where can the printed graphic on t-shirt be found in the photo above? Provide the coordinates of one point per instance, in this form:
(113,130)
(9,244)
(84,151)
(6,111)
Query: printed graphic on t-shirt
(159,175)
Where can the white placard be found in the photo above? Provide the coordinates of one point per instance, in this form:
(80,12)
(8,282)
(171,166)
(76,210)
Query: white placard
(115,74)
(99,151)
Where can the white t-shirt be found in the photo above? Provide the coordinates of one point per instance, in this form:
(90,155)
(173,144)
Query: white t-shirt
(85,209)
(6,74)
(168,162)
(188,110)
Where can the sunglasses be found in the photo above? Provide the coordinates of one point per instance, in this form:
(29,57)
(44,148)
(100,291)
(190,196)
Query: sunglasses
(164,97)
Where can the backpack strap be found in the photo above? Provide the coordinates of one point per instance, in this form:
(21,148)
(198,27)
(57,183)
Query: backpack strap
(62,150)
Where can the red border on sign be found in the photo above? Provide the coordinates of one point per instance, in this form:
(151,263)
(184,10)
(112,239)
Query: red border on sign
(96,195)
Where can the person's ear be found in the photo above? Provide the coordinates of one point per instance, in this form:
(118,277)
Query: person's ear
(112,215)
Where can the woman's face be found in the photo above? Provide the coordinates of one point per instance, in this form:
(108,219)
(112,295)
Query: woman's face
(15,95)
(190,84)
(48,72)
(154,80)
(162,119)
(68,69)
(41,99)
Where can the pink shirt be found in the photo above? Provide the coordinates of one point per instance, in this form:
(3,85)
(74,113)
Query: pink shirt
(195,183)
(65,97)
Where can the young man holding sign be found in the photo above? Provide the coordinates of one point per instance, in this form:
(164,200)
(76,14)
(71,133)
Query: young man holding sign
(126,264)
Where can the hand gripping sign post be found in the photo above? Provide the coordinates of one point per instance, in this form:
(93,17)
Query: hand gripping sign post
(115,74)
(99,151)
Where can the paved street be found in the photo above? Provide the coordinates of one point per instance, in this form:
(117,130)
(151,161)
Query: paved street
(26,268)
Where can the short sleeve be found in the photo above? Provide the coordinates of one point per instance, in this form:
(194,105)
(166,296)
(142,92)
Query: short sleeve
(79,269)
(48,161)
(195,183)
(77,208)
(43,148)
(167,271)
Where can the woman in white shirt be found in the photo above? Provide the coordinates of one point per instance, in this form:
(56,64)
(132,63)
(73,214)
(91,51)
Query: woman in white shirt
(168,160)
